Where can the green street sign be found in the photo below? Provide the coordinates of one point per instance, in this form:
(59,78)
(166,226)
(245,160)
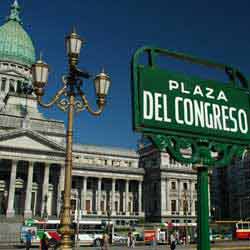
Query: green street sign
(175,104)
(171,103)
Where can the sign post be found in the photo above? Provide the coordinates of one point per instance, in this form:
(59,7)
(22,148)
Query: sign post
(203,213)
(202,122)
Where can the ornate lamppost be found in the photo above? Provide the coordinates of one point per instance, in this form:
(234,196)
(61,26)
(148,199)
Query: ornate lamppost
(74,100)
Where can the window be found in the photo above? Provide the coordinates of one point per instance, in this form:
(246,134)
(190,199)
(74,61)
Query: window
(88,206)
(102,206)
(173,205)
(3,85)
(185,206)
(173,185)
(12,85)
(195,186)
(185,186)
(155,205)
(155,187)
(154,162)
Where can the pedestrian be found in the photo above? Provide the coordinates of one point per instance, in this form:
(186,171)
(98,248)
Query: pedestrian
(129,239)
(105,240)
(28,239)
(44,242)
(153,243)
(172,241)
(132,240)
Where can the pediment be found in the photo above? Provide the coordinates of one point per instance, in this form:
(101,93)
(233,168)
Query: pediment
(29,140)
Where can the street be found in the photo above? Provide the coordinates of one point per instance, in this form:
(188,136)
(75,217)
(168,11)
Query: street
(228,245)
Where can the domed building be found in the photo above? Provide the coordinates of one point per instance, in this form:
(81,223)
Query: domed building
(17,54)
(107,183)
(32,150)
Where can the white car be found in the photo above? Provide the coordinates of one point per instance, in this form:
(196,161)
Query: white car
(119,239)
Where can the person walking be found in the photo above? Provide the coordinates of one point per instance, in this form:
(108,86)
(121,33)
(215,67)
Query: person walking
(105,245)
(28,239)
(129,239)
(132,240)
(44,242)
(172,241)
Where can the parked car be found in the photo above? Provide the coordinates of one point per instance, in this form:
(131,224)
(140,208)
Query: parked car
(228,236)
(138,236)
(217,236)
(119,239)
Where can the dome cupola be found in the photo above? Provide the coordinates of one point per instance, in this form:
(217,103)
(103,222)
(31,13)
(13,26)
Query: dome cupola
(15,44)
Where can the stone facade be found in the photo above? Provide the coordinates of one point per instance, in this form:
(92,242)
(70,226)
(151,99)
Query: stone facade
(231,191)
(170,188)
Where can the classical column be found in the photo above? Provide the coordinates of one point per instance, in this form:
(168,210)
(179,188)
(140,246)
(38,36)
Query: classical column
(179,197)
(191,197)
(27,209)
(84,195)
(163,196)
(113,197)
(10,210)
(139,197)
(45,188)
(167,197)
(123,203)
(60,189)
(126,197)
(99,196)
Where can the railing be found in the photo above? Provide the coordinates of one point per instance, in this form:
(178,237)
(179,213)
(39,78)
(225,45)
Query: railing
(15,219)
(9,238)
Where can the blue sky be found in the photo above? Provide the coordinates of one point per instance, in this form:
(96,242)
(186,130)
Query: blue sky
(113,30)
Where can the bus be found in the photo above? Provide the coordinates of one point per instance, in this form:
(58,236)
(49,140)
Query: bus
(38,228)
(242,230)
(87,232)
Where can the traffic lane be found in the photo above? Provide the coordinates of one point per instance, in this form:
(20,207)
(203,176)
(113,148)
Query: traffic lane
(226,245)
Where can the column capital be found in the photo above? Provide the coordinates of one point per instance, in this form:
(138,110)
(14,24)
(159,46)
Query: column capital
(14,161)
(47,164)
(31,163)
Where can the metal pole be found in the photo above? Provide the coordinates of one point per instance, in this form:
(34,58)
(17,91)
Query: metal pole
(78,218)
(66,230)
(203,214)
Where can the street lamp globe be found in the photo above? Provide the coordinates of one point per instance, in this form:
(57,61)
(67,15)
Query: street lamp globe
(40,73)
(73,44)
(102,83)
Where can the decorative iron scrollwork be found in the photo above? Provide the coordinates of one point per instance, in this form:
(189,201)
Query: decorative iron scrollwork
(188,150)
(79,106)
(63,105)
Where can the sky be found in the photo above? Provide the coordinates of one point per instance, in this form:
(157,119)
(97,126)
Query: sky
(113,31)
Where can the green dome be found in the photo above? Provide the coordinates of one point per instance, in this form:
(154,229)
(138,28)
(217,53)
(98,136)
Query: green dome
(15,43)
